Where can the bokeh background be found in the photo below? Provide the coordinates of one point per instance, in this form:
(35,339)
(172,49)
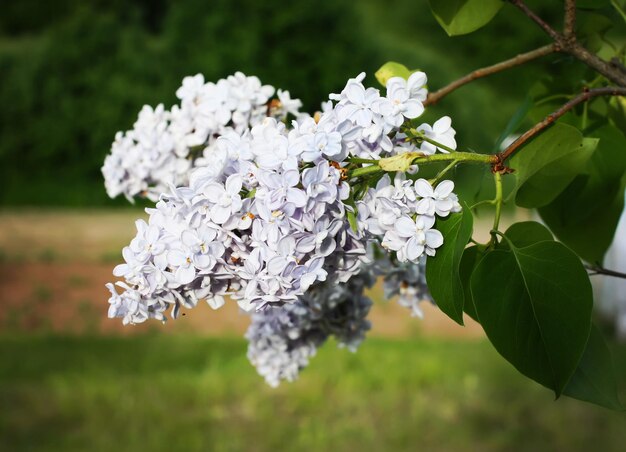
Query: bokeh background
(72,73)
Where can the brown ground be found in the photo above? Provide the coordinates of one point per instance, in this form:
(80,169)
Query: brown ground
(54,264)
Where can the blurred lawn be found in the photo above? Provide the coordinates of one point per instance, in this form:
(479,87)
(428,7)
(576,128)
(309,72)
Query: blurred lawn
(190,393)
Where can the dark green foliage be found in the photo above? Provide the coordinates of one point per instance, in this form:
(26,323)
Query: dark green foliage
(535,306)
(586,213)
(594,378)
(72,73)
(533,298)
(549,163)
(68,84)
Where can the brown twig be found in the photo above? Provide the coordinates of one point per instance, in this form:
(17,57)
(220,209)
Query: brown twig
(569,27)
(538,20)
(597,270)
(549,120)
(522,58)
(567,43)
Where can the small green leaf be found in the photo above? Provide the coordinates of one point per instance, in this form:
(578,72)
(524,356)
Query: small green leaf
(391,69)
(585,215)
(525,233)
(535,303)
(459,17)
(442,270)
(594,378)
(546,165)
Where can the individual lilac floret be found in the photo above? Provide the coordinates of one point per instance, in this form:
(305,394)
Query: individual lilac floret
(441,132)
(439,201)
(403,101)
(410,238)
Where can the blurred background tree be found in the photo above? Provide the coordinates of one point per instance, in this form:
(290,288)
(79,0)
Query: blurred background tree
(74,72)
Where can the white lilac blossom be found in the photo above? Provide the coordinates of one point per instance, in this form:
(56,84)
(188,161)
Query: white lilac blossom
(441,132)
(164,145)
(263,209)
(403,214)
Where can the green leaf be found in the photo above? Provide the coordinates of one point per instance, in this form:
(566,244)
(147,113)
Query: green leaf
(594,378)
(459,17)
(525,233)
(352,220)
(471,257)
(585,215)
(546,165)
(391,69)
(534,304)
(442,270)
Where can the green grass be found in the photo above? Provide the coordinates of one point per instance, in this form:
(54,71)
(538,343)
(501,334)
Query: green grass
(188,393)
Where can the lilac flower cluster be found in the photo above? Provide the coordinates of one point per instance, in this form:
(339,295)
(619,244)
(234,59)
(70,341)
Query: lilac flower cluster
(403,214)
(163,145)
(269,213)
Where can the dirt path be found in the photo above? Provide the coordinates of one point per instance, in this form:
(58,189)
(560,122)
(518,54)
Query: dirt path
(54,265)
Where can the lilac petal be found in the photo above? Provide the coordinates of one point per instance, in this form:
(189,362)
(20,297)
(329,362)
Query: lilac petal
(291,178)
(309,176)
(413,108)
(393,241)
(152,234)
(355,93)
(184,275)
(276,265)
(297,197)
(434,238)
(176,258)
(307,280)
(405,226)
(121,270)
(444,188)
(220,214)
(305,244)
(315,264)
(442,125)
(128,254)
(425,206)
(213,192)
(327,246)
(444,207)
(189,238)
(203,261)
(413,249)
(286,246)
(424,189)
(425,222)
(216,302)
